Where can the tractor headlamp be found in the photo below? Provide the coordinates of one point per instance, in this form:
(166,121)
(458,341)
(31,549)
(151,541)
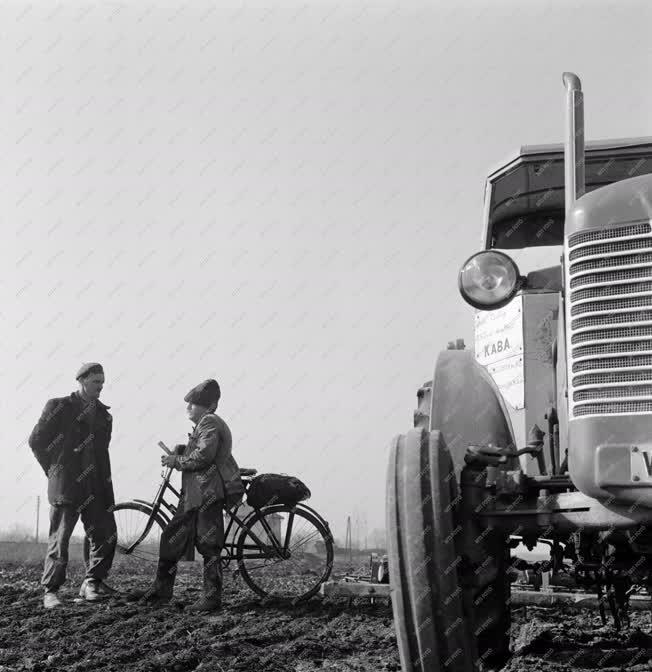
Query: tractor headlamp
(489,280)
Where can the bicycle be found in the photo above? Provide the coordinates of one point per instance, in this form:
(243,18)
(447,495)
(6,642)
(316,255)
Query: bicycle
(275,555)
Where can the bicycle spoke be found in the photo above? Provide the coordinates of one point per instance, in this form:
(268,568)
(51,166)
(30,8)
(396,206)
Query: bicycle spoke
(131,522)
(294,569)
(305,540)
(288,531)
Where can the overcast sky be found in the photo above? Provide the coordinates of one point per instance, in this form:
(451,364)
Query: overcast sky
(278,195)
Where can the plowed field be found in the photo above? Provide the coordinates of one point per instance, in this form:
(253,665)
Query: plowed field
(117,635)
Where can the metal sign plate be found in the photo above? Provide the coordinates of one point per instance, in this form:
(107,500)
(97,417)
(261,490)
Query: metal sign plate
(499,348)
(499,333)
(641,464)
(508,376)
(623,465)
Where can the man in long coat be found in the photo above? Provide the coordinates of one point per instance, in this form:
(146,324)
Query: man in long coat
(71,443)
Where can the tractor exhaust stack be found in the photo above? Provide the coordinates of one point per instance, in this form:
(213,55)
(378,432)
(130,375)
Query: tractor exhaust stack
(574,143)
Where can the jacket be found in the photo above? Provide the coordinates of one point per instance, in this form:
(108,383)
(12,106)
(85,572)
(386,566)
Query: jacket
(207,465)
(58,440)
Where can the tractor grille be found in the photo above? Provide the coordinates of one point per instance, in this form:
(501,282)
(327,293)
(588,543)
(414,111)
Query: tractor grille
(608,249)
(608,306)
(610,278)
(628,260)
(602,321)
(610,363)
(612,407)
(605,234)
(613,277)
(611,349)
(622,333)
(603,290)
(615,378)
(614,393)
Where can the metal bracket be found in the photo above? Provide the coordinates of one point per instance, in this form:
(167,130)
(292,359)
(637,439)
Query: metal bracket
(490,455)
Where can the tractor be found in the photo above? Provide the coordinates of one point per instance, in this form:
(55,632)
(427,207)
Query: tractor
(541,434)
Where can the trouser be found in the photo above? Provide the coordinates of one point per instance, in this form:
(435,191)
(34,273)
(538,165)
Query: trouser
(100,528)
(202,528)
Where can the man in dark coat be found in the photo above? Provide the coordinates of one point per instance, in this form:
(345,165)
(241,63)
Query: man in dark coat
(71,443)
(209,478)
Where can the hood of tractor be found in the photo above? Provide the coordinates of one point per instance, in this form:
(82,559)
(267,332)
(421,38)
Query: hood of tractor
(608,311)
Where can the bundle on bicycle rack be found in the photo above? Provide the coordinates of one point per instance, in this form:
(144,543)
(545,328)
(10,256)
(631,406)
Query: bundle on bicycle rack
(267,489)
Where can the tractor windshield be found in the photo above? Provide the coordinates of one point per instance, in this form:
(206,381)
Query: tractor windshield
(525,196)
(529,229)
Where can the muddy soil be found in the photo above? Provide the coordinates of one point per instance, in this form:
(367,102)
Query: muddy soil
(117,635)
(333,635)
(563,640)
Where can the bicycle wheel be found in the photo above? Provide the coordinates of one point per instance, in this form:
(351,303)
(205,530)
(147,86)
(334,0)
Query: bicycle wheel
(131,519)
(284,553)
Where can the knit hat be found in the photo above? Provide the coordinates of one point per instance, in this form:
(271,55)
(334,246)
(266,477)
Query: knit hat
(205,394)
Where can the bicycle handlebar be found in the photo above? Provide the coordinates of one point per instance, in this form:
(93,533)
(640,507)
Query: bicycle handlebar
(164,447)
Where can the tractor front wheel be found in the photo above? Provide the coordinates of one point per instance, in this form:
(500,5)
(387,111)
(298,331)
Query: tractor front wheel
(450,586)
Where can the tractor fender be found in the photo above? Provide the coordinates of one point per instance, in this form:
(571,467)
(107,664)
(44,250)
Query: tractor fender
(467,407)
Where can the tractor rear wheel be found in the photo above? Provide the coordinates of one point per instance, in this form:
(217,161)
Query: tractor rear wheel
(450,585)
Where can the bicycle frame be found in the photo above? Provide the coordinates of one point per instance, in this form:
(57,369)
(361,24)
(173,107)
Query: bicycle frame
(160,507)
(280,551)
(157,505)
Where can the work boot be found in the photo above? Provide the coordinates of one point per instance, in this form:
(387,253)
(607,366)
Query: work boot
(148,596)
(93,590)
(89,592)
(212,598)
(51,600)
(160,592)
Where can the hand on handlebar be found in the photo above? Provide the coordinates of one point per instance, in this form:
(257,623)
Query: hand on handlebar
(168,460)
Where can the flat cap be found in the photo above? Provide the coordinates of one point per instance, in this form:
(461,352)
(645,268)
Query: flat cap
(88,368)
(204,394)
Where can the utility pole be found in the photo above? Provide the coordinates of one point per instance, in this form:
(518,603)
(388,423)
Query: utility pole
(38,509)
(347,544)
